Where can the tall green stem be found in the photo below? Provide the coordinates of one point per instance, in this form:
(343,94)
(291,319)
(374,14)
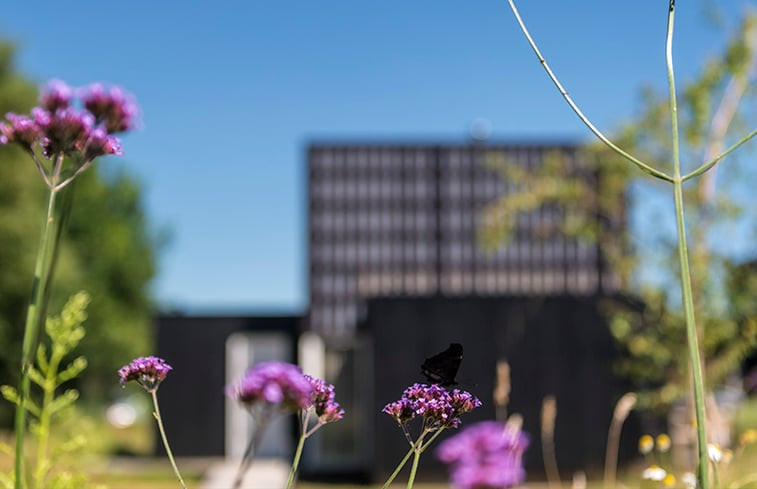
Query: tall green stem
(414,468)
(296,461)
(154,394)
(417,448)
(677,180)
(683,257)
(45,418)
(42,273)
(643,166)
(399,468)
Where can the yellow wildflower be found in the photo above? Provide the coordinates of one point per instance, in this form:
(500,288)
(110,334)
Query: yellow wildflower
(663,443)
(646,444)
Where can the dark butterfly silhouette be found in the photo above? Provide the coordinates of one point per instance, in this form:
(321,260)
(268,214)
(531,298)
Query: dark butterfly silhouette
(442,367)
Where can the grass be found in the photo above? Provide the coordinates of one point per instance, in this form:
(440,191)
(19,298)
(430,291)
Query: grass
(151,473)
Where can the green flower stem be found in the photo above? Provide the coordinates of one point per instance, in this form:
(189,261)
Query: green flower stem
(304,420)
(677,181)
(415,448)
(643,166)
(706,166)
(296,461)
(715,475)
(42,275)
(431,440)
(695,362)
(399,468)
(154,394)
(45,417)
(414,468)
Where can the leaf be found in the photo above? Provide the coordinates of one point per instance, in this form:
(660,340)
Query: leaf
(72,370)
(10,394)
(66,399)
(36,377)
(32,407)
(42,360)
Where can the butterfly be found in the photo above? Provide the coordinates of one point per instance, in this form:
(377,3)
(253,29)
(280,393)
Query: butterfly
(442,367)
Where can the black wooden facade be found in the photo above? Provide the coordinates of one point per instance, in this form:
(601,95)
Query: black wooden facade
(193,394)
(554,345)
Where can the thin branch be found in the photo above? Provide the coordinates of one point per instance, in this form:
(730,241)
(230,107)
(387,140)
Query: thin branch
(68,180)
(41,168)
(714,161)
(727,109)
(643,166)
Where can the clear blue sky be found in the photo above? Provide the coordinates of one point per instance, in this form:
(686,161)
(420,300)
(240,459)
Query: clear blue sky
(231,93)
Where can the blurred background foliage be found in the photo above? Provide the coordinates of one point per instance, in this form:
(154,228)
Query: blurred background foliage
(630,217)
(108,249)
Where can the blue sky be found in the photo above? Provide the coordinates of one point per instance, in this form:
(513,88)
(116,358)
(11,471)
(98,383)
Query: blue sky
(231,93)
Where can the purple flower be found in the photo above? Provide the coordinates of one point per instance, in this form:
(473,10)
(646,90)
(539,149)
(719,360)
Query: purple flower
(438,407)
(56,95)
(101,143)
(402,411)
(64,131)
(113,107)
(149,372)
(486,455)
(322,400)
(276,383)
(19,129)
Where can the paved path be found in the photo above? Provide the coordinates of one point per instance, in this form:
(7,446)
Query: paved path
(264,474)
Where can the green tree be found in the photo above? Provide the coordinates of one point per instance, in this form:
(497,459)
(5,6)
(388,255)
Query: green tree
(722,97)
(108,249)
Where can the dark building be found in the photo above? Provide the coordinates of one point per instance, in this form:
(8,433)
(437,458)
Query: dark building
(404,219)
(397,272)
(555,346)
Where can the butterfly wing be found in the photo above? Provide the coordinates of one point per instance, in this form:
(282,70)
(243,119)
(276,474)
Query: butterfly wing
(442,368)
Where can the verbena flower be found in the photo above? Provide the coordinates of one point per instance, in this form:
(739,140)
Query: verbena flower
(62,128)
(56,95)
(438,407)
(486,455)
(278,383)
(64,131)
(322,401)
(19,129)
(148,372)
(112,107)
(101,143)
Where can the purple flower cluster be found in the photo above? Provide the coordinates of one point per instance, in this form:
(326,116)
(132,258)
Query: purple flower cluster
(113,108)
(273,383)
(61,129)
(486,455)
(322,400)
(438,407)
(149,372)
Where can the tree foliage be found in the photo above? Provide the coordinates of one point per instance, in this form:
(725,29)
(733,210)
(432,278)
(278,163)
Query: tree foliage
(108,249)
